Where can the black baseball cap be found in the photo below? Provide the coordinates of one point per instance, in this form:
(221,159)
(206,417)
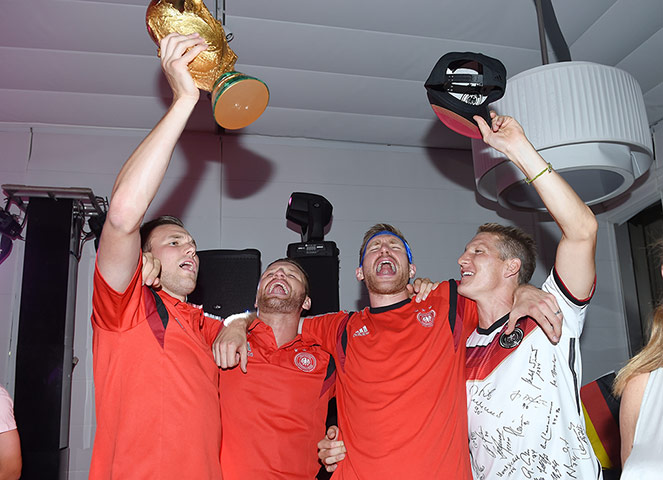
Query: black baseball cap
(461,85)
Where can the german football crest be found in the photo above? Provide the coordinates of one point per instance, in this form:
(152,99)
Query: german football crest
(426,319)
(305,361)
(513,339)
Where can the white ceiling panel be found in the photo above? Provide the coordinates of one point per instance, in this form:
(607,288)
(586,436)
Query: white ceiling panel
(355,52)
(654,104)
(646,62)
(74,25)
(80,72)
(115,111)
(346,70)
(575,18)
(507,22)
(614,36)
(356,128)
(344,93)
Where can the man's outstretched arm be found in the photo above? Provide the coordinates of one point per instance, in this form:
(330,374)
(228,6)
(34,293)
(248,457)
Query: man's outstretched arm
(574,261)
(141,175)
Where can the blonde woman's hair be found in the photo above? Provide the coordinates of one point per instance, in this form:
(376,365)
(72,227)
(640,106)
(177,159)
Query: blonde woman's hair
(651,356)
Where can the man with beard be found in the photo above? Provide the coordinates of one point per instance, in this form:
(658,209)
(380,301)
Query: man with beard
(274,414)
(156,383)
(400,383)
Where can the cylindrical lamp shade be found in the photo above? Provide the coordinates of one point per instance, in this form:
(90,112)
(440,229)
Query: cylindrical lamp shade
(587,120)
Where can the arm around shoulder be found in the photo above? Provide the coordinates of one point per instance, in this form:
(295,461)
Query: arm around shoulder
(229,347)
(541,306)
(324,329)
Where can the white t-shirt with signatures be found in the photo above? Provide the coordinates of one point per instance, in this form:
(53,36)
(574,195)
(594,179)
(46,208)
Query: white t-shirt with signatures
(524,412)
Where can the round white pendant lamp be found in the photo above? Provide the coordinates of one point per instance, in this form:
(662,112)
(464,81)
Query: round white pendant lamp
(587,120)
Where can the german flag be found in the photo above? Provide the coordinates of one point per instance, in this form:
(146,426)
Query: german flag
(601,410)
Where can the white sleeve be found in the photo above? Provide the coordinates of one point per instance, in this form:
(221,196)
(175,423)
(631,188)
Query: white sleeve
(573,309)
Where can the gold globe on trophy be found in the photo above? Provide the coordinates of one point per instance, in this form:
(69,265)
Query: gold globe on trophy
(237,99)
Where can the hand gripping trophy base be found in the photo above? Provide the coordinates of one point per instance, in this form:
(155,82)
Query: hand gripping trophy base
(237,99)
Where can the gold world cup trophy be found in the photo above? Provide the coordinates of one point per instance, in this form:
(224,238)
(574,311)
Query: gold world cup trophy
(237,99)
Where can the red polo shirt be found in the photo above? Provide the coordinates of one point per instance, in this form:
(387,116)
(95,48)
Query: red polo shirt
(156,388)
(401,387)
(274,415)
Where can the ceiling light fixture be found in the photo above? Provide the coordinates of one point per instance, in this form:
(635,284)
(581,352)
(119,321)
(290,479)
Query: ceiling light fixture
(587,120)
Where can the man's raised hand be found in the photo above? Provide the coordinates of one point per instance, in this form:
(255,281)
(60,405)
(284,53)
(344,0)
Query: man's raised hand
(176,52)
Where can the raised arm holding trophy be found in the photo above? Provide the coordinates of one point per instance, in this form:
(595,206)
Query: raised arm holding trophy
(237,99)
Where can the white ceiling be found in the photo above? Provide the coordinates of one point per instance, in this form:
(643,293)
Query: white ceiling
(350,70)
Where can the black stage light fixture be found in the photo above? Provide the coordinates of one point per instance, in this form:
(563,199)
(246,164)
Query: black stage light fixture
(311,212)
(9,226)
(10,230)
(96,224)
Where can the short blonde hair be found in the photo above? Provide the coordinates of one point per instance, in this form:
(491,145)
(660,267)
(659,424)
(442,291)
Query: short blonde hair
(514,243)
(377,228)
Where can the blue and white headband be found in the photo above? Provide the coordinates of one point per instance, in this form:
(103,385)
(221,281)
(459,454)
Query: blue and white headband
(386,232)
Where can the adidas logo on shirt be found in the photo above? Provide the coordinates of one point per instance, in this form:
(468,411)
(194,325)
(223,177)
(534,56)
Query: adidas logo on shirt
(362,332)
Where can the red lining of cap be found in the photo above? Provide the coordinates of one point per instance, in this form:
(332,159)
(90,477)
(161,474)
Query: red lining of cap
(456,122)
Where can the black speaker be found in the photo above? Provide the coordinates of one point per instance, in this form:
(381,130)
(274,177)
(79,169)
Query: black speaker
(45,338)
(320,261)
(227,281)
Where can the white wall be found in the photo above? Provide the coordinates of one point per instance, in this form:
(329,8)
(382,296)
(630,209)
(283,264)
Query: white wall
(235,196)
